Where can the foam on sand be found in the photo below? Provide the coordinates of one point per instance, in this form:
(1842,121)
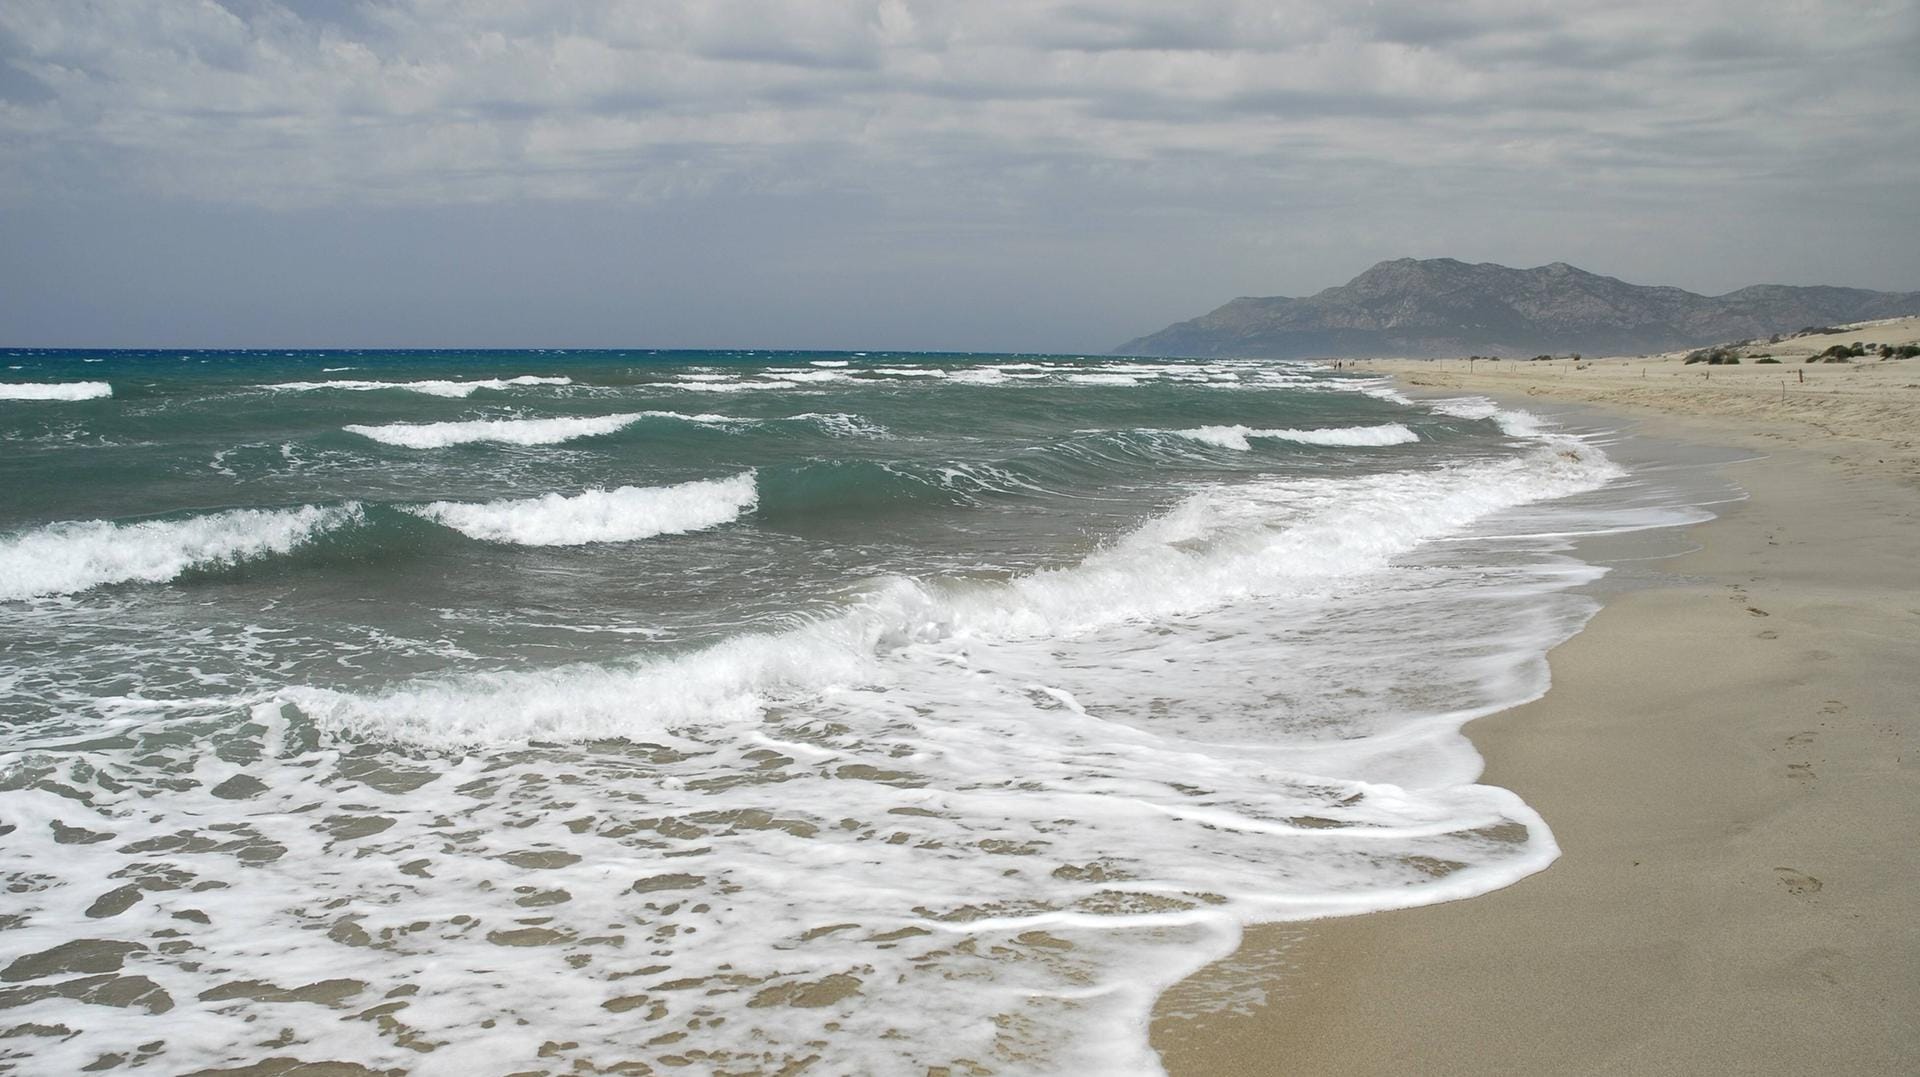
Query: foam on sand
(1096,839)
(619,515)
(67,557)
(60,390)
(1236,437)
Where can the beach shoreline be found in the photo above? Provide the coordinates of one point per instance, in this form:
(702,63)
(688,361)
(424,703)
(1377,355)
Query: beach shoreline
(1727,761)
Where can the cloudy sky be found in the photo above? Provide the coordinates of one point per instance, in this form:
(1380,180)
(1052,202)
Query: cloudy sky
(976,174)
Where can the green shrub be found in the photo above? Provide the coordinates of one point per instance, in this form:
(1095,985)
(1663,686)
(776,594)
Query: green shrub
(1766,359)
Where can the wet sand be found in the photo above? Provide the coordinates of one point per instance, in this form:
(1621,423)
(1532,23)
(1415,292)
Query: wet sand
(1730,761)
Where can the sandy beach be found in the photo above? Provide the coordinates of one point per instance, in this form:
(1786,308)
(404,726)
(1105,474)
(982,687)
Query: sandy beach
(1728,761)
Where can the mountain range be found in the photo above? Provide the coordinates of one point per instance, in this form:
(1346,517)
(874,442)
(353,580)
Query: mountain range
(1441,307)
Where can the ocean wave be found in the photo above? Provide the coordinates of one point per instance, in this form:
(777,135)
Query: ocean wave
(1215,548)
(619,515)
(59,390)
(845,488)
(67,557)
(840,424)
(984,375)
(555,431)
(1236,437)
(509,431)
(802,376)
(430,388)
(1512,422)
(727,386)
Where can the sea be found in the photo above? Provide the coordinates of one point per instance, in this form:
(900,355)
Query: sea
(741,712)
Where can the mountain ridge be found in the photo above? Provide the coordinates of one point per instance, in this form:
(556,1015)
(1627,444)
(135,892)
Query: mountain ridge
(1443,306)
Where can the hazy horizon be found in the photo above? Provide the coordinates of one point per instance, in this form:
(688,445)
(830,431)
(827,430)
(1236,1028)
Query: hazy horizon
(895,175)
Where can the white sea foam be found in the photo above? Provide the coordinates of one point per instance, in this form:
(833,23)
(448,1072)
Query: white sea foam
(67,557)
(430,387)
(619,515)
(842,425)
(1022,767)
(1512,422)
(59,390)
(983,375)
(962,822)
(1216,547)
(1236,437)
(1378,388)
(726,386)
(505,431)
(798,376)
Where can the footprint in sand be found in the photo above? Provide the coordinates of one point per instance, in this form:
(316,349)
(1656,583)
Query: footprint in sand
(1805,736)
(1768,634)
(1799,884)
(1800,771)
(1758,612)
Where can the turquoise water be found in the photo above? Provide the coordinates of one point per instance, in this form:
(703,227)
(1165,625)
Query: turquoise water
(494,711)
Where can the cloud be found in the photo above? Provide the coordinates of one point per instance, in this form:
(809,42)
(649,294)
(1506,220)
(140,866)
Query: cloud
(996,173)
(323,102)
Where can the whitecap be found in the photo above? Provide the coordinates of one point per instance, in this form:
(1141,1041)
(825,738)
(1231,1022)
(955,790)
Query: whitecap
(1216,547)
(429,387)
(66,557)
(1236,437)
(507,431)
(623,514)
(60,390)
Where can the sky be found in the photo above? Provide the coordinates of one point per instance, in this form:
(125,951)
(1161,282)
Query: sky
(990,175)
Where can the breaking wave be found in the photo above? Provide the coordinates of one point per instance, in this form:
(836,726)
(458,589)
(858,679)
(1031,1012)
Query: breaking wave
(430,388)
(1236,437)
(1216,547)
(502,431)
(619,515)
(61,390)
(67,557)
